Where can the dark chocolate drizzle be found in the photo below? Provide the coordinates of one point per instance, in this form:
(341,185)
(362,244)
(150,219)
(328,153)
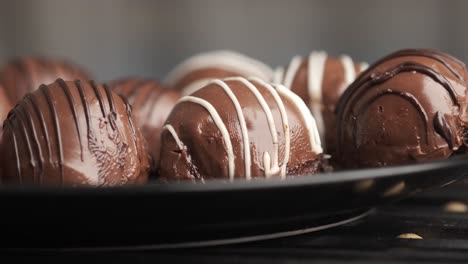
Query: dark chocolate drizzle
(113,114)
(84,102)
(32,129)
(72,104)
(99,98)
(363,84)
(15,145)
(368,80)
(48,96)
(443,128)
(408,97)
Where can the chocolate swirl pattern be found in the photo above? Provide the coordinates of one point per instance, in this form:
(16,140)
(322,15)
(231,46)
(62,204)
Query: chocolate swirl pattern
(197,71)
(320,80)
(239,128)
(406,107)
(26,74)
(73,133)
(151,105)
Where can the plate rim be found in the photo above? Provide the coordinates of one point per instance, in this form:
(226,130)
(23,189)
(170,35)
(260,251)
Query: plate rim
(216,185)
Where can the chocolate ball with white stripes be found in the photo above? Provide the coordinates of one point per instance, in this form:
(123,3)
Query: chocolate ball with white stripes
(410,106)
(239,128)
(151,103)
(196,71)
(75,133)
(320,80)
(25,74)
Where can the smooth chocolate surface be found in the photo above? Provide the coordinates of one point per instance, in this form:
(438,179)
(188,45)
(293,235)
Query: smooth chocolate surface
(239,128)
(73,133)
(151,105)
(26,74)
(409,106)
(320,80)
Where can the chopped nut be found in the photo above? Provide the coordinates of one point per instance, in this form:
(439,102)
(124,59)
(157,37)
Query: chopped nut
(409,236)
(456,207)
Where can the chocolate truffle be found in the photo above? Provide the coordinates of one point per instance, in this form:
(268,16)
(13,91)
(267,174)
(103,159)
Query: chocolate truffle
(195,72)
(410,106)
(5,107)
(239,128)
(320,80)
(75,134)
(151,104)
(26,74)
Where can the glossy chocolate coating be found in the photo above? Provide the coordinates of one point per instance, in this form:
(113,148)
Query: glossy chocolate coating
(409,106)
(23,75)
(321,88)
(239,128)
(151,105)
(195,72)
(74,134)
(5,107)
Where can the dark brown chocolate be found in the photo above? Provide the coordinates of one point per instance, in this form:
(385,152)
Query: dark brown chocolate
(73,133)
(195,72)
(151,104)
(239,128)
(409,106)
(320,80)
(26,74)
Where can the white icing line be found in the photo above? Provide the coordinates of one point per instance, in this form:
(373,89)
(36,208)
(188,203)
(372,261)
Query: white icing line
(363,66)
(349,71)
(316,68)
(278,75)
(269,116)
(243,125)
(291,72)
(284,118)
(171,130)
(225,59)
(309,120)
(221,126)
(195,86)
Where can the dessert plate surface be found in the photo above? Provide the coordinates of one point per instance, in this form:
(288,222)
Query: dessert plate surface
(188,215)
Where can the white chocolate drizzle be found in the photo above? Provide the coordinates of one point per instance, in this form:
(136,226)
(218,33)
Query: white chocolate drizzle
(171,130)
(278,75)
(284,119)
(221,126)
(349,71)
(269,117)
(195,86)
(309,120)
(243,125)
(316,71)
(270,162)
(224,59)
(293,67)
(315,75)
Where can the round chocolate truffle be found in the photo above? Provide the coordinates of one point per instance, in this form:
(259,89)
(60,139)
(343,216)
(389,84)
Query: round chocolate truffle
(151,104)
(409,106)
(26,74)
(195,72)
(239,128)
(320,80)
(5,107)
(74,134)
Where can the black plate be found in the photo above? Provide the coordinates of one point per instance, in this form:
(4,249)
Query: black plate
(174,215)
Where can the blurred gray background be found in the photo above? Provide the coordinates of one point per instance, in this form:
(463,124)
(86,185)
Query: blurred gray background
(116,38)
